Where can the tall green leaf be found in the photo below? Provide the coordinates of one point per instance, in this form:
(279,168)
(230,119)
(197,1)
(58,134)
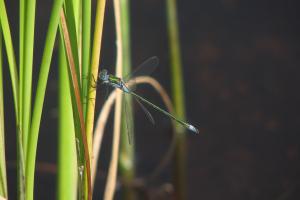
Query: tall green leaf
(40,96)
(21,60)
(67,173)
(15,87)
(26,83)
(3,180)
(71,23)
(85,51)
(10,54)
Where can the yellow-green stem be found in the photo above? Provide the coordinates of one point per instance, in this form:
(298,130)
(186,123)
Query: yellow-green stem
(3,181)
(21,60)
(178,96)
(97,41)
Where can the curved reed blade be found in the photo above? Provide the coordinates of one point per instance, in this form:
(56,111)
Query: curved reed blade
(77,109)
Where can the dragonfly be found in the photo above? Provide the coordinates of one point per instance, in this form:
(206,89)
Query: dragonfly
(145,68)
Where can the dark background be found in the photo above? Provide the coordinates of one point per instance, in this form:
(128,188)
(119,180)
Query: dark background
(241,65)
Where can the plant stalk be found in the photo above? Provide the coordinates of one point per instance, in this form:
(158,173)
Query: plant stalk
(85,51)
(112,171)
(127,157)
(26,85)
(39,98)
(97,41)
(178,96)
(67,173)
(3,177)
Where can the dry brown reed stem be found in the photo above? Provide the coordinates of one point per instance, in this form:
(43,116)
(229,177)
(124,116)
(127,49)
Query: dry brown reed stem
(102,119)
(113,166)
(99,130)
(110,186)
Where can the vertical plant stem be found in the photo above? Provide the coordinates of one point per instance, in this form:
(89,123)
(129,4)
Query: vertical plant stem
(20,135)
(15,87)
(127,160)
(73,33)
(77,18)
(84,168)
(27,69)
(85,50)
(178,96)
(10,55)
(94,70)
(67,177)
(3,179)
(113,166)
(39,98)
(112,172)
(21,61)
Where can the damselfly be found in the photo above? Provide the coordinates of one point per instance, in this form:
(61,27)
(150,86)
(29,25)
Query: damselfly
(145,68)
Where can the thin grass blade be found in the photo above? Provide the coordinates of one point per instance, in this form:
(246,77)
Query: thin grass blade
(21,59)
(10,55)
(3,178)
(85,51)
(40,96)
(26,83)
(15,88)
(71,23)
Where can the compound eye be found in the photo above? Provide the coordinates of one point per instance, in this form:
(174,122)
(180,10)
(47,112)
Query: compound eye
(103,74)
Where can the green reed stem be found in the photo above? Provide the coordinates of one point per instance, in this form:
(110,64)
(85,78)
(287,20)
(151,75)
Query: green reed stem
(3,178)
(71,23)
(10,55)
(21,60)
(26,83)
(15,87)
(40,96)
(178,96)
(67,172)
(127,157)
(85,51)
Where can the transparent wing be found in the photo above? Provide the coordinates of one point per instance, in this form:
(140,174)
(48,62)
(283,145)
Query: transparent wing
(128,119)
(148,114)
(146,68)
